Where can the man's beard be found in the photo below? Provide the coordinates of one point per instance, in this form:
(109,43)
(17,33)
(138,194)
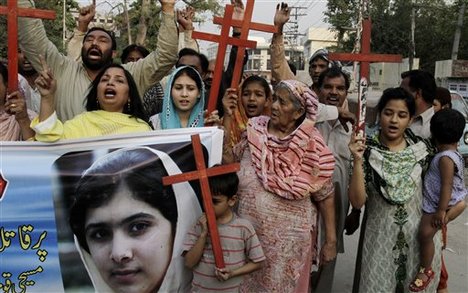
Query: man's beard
(94,65)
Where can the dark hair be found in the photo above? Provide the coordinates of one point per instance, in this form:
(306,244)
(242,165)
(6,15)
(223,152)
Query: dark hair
(189,52)
(133,47)
(224,184)
(111,35)
(204,62)
(443,96)
(447,126)
(4,73)
(292,67)
(397,93)
(333,72)
(257,79)
(140,169)
(136,106)
(419,79)
(190,72)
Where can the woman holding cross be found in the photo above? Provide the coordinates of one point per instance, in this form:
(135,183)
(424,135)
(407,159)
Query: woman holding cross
(285,178)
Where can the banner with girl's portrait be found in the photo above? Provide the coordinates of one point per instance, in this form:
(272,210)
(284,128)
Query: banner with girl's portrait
(93,215)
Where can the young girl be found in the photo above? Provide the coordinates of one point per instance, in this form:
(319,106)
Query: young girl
(127,223)
(444,189)
(183,102)
(256,97)
(387,178)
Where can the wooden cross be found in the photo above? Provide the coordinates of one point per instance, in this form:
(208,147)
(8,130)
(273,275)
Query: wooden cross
(223,40)
(365,57)
(202,174)
(13,12)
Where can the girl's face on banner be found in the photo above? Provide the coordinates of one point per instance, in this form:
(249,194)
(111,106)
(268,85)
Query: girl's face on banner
(130,243)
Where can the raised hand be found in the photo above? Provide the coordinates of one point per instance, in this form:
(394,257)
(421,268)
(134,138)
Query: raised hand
(238,13)
(85,16)
(230,100)
(281,15)
(357,146)
(185,18)
(46,83)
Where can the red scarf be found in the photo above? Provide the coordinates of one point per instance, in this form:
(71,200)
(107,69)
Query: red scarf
(293,167)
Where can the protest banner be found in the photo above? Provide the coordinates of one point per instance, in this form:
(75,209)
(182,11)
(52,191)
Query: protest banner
(37,186)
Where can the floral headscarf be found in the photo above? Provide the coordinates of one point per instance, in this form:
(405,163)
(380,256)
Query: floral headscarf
(169,117)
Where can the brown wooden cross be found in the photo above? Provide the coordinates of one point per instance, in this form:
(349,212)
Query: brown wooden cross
(202,174)
(224,40)
(13,12)
(365,57)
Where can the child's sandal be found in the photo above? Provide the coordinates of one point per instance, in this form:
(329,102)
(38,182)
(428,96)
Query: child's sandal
(418,284)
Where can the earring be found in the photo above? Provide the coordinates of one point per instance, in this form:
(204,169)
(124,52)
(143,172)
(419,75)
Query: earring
(97,104)
(128,105)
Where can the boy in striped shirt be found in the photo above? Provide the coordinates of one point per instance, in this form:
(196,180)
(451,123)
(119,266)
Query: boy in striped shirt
(242,251)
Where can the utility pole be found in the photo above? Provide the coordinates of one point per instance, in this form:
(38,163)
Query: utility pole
(293,35)
(64,24)
(412,52)
(456,39)
(129,32)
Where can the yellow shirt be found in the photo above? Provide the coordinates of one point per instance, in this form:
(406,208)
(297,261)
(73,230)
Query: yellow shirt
(87,124)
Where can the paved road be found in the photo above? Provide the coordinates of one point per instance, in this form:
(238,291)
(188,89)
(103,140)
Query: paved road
(456,257)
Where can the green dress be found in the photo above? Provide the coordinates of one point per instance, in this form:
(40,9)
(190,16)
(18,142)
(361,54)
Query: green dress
(389,247)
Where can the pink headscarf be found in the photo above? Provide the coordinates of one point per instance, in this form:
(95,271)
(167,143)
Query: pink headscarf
(304,95)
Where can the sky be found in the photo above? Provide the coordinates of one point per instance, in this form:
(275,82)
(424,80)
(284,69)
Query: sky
(264,11)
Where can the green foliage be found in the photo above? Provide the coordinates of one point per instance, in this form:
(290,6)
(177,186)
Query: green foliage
(53,27)
(435,24)
(153,22)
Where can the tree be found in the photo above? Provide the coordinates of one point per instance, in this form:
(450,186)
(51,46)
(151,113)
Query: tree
(53,28)
(145,19)
(391,27)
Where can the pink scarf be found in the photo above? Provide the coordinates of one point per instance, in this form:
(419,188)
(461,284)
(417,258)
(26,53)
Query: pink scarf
(9,127)
(294,167)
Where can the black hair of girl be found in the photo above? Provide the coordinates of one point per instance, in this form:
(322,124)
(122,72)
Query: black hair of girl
(133,47)
(139,169)
(257,79)
(447,126)
(136,108)
(4,73)
(397,93)
(190,72)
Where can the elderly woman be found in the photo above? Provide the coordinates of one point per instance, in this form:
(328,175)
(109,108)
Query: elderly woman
(286,171)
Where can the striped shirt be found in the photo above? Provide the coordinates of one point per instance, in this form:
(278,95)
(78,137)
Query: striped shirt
(239,243)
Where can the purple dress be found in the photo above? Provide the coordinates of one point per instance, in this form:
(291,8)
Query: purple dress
(432,182)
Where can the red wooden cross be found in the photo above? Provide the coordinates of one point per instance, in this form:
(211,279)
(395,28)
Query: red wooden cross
(365,56)
(202,173)
(223,39)
(13,12)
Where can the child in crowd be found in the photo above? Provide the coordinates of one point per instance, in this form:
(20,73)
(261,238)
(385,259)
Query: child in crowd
(183,103)
(242,251)
(442,100)
(444,189)
(255,100)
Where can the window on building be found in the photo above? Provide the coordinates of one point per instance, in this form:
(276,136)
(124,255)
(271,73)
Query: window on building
(452,87)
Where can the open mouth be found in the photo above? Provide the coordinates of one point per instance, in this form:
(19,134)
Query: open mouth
(109,93)
(333,100)
(94,53)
